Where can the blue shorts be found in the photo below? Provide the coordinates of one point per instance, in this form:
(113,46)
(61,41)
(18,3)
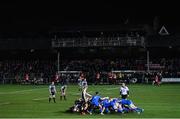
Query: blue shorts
(106,105)
(96,104)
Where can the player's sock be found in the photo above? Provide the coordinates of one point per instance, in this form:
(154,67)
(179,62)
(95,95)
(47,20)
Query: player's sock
(100,110)
(49,100)
(64,97)
(107,110)
(83,112)
(90,110)
(141,110)
(54,100)
(138,109)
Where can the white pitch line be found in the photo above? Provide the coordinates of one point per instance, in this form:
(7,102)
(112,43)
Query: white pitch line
(40,98)
(5,103)
(113,88)
(156,104)
(79,93)
(21,91)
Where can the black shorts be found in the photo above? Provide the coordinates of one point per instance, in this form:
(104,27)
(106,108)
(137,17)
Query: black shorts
(124,96)
(52,93)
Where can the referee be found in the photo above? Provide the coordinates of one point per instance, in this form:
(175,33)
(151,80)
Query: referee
(124,91)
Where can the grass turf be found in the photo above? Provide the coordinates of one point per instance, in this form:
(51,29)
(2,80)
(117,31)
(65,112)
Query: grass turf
(31,101)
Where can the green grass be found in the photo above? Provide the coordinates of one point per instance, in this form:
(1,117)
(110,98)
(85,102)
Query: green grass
(29,101)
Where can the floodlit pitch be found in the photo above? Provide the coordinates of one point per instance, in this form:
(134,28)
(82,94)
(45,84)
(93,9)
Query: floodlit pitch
(31,101)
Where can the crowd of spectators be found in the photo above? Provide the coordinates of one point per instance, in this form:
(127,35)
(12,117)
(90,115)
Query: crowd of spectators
(104,65)
(20,70)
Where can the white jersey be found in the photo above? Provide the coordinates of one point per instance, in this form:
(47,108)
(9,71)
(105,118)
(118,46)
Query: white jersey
(84,84)
(52,88)
(124,90)
(80,82)
(63,90)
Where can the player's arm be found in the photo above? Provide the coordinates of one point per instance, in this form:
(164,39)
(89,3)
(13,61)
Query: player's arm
(55,89)
(128,92)
(49,89)
(61,89)
(104,98)
(120,91)
(88,95)
(65,89)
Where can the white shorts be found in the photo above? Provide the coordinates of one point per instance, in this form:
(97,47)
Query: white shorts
(63,93)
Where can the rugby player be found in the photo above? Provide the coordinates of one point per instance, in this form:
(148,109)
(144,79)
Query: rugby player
(52,92)
(63,92)
(124,91)
(130,105)
(95,103)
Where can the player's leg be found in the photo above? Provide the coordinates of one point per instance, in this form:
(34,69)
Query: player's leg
(103,109)
(159,82)
(125,109)
(54,98)
(49,100)
(119,108)
(61,96)
(50,96)
(153,82)
(64,97)
(107,110)
(100,108)
(85,108)
(80,86)
(93,106)
(137,109)
(91,109)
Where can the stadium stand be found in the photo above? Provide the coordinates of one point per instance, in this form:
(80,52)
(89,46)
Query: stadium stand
(33,56)
(14,71)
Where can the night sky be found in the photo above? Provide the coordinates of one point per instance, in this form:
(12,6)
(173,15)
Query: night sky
(19,16)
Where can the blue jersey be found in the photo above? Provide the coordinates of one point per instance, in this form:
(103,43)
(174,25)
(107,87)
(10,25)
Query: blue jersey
(95,100)
(126,102)
(105,103)
(113,103)
(129,103)
(115,100)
